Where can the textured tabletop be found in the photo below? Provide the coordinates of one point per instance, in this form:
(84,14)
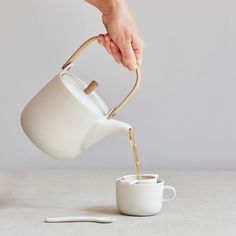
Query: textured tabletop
(205,204)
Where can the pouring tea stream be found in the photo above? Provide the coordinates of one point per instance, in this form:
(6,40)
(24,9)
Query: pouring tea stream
(67,116)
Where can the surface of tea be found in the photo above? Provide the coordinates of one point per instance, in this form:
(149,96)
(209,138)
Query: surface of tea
(134,151)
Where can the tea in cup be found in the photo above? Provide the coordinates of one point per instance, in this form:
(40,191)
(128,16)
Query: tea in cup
(141,198)
(143,179)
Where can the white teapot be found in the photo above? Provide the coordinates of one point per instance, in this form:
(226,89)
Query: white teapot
(66,116)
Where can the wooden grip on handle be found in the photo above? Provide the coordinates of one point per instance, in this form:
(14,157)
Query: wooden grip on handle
(91,87)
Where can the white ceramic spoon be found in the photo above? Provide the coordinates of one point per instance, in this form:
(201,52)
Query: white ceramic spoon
(102,219)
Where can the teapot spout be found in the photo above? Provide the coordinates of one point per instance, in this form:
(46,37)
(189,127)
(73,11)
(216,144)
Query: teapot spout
(102,129)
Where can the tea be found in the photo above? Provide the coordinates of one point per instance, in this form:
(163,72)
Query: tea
(134,151)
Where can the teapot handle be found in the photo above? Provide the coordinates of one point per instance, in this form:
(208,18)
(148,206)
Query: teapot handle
(114,111)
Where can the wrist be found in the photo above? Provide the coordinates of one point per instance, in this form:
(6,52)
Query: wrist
(108,7)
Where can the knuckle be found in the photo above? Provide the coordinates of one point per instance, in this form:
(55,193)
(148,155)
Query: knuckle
(122,41)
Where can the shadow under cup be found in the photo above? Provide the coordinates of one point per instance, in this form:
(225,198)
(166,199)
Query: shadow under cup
(141,199)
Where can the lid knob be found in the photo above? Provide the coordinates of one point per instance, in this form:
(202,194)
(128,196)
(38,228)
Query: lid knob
(92,86)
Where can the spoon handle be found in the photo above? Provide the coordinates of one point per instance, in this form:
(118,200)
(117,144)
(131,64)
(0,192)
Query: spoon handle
(79,219)
(69,219)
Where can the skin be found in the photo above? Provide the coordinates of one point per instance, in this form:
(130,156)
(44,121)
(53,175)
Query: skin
(122,40)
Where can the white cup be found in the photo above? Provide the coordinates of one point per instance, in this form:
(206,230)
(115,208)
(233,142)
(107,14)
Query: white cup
(141,199)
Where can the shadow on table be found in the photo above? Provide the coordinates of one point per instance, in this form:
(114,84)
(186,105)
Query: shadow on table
(111,210)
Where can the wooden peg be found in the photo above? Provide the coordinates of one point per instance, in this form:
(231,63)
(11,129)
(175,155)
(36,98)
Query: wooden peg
(91,87)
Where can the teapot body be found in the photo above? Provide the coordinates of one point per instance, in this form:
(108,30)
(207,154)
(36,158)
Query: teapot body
(56,122)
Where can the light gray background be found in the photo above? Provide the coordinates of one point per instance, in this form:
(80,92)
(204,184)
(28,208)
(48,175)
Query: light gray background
(184,113)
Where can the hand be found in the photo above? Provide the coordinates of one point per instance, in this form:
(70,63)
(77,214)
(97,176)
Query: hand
(122,40)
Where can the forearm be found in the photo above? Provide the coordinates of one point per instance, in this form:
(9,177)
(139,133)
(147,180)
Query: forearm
(107,7)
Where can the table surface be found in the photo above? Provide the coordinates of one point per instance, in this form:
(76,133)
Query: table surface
(205,204)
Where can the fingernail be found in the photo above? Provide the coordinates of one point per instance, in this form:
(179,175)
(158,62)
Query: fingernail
(112,44)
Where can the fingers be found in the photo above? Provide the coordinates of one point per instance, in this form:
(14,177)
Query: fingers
(128,56)
(116,53)
(101,39)
(110,46)
(104,40)
(138,47)
(107,43)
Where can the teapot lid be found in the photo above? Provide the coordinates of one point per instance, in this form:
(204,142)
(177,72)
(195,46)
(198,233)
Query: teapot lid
(76,87)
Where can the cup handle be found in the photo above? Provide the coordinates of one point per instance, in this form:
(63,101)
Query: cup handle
(173,193)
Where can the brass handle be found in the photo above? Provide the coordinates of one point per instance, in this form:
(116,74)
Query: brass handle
(115,110)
